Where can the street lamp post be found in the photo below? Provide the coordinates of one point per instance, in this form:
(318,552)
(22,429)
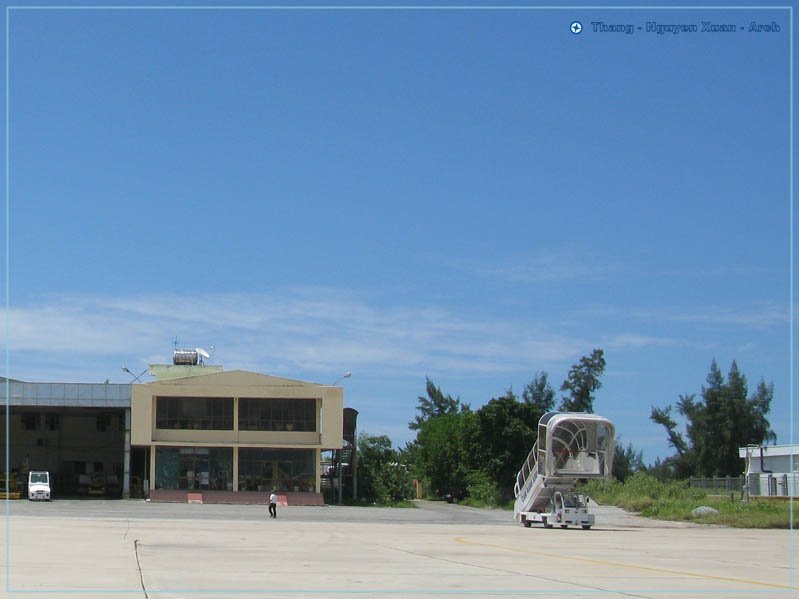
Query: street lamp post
(135,377)
(346,375)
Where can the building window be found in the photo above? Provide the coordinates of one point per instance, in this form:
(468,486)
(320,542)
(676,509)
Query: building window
(194,468)
(30,422)
(103,421)
(51,421)
(203,413)
(281,469)
(256,414)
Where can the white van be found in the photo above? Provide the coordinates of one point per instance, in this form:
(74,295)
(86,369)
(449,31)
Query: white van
(38,485)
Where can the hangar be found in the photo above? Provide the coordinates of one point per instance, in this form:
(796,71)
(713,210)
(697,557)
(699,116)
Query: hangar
(194,429)
(76,431)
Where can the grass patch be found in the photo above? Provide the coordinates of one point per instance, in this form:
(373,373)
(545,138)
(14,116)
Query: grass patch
(405,503)
(496,505)
(675,500)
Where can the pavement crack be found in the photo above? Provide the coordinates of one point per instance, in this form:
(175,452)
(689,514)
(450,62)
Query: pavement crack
(138,565)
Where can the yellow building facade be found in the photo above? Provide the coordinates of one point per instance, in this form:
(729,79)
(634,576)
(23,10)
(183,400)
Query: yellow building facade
(204,429)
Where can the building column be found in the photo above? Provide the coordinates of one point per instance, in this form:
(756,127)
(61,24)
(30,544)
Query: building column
(151,476)
(126,472)
(236,406)
(320,406)
(318,484)
(235,467)
(355,472)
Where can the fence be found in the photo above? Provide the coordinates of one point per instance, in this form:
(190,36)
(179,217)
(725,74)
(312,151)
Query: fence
(720,485)
(757,485)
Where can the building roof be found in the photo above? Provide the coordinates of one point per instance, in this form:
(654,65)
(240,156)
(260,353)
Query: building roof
(770,450)
(234,377)
(112,395)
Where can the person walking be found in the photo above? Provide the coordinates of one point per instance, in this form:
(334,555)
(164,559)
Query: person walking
(273,504)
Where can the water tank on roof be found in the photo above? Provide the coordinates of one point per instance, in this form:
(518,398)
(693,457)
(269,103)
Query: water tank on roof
(185,357)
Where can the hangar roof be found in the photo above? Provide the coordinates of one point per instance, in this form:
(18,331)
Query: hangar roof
(88,395)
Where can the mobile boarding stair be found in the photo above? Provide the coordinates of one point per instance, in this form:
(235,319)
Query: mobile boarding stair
(570,447)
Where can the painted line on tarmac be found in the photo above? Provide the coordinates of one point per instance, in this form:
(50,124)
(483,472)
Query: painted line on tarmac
(581,586)
(631,566)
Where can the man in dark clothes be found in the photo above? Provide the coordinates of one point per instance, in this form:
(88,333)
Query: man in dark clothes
(273,504)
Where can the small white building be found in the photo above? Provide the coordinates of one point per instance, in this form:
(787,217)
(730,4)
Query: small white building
(771,470)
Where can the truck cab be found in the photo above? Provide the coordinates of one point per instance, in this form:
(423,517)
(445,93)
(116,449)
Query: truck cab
(572,508)
(38,485)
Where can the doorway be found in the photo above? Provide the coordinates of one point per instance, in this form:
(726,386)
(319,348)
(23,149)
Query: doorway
(194,469)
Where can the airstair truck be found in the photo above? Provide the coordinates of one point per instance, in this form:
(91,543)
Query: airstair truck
(571,446)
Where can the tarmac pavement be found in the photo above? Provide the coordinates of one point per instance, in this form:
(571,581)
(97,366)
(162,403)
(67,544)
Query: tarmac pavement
(135,548)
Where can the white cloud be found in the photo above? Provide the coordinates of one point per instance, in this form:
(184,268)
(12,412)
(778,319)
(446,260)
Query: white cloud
(312,330)
(324,331)
(540,267)
(755,315)
(636,341)
(761,315)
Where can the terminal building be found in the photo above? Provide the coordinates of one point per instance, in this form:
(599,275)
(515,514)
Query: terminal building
(196,429)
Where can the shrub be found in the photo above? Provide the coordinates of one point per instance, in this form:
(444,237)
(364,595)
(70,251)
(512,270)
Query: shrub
(482,490)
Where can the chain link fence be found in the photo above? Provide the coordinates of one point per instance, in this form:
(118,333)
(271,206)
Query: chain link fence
(757,485)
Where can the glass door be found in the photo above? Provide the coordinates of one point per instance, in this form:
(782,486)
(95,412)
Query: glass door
(193,469)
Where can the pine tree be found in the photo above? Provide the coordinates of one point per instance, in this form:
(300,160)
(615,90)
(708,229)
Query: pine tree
(582,381)
(435,404)
(724,419)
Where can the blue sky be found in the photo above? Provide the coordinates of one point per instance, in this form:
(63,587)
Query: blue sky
(469,195)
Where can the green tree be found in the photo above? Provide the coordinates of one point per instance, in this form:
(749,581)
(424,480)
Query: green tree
(505,430)
(442,455)
(539,394)
(683,463)
(435,404)
(724,419)
(382,475)
(626,461)
(582,381)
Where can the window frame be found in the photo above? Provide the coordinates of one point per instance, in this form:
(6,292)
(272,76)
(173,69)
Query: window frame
(277,414)
(195,413)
